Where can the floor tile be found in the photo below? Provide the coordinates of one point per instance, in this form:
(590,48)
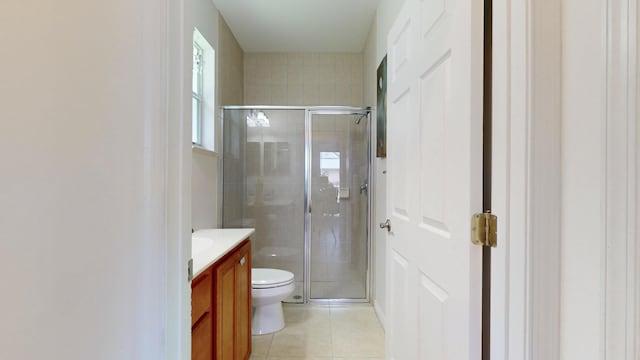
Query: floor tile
(324,331)
(305,343)
(302,358)
(260,344)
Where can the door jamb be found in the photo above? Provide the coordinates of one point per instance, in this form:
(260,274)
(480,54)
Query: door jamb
(178,179)
(526,173)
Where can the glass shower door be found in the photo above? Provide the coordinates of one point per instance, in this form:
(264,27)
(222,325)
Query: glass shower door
(338,186)
(264,187)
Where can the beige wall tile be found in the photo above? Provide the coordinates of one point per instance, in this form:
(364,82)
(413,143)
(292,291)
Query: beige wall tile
(343,69)
(357,95)
(303,79)
(263,73)
(310,59)
(343,94)
(279,95)
(327,73)
(310,94)
(295,95)
(295,74)
(279,74)
(250,73)
(263,95)
(326,59)
(295,59)
(310,74)
(327,94)
(279,58)
(251,94)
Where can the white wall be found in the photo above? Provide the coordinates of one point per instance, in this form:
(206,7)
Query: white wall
(83,251)
(205,172)
(374,51)
(204,182)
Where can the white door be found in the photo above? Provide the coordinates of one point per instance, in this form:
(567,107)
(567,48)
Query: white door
(434,124)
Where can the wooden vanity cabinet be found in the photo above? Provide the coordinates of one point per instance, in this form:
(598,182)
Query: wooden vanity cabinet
(221,308)
(232,302)
(202,316)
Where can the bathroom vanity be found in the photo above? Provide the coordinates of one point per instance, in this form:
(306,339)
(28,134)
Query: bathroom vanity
(221,294)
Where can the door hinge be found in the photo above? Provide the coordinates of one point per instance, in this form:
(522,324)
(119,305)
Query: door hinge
(190,270)
(484,229)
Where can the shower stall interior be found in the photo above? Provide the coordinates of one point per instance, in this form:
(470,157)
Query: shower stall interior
(300,177)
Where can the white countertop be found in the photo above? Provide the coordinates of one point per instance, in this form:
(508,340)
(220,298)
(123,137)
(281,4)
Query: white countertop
(210,245)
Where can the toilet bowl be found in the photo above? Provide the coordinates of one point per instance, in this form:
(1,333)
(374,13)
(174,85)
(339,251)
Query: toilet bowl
(268,288)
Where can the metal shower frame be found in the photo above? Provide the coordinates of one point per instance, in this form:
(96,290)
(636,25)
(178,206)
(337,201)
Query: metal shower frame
(310,111)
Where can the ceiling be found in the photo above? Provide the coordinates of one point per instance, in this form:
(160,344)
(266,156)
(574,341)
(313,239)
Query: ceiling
(299,25)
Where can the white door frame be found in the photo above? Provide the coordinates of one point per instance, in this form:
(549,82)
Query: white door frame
(527,118)
(178,178)
(620,162)
(526,179)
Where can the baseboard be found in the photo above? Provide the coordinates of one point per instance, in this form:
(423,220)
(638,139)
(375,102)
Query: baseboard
(379,313)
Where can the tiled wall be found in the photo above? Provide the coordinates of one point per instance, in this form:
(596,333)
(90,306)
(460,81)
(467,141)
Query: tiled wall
(230,67)
(231,92)
(303,79)
(293,79)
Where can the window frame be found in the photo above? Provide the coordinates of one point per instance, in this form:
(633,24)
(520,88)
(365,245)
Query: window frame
(198,95)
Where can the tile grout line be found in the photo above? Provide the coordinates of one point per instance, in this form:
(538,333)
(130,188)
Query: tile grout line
(269,348)
(331,330)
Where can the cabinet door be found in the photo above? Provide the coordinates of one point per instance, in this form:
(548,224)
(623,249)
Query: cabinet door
(200,296)
(243,301)
(201,339)
(201,317)
(225,309)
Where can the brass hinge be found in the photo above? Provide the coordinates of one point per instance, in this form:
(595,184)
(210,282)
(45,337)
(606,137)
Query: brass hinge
(484,228)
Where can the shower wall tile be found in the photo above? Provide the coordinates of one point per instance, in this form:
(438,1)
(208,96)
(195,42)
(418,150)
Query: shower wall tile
(326,59)
(327,93)
(343,94)
(310,59)
(279,74)
(279,94)
(251,93)
(295,59)
(295,94)
(263,73)
(310,92)
(357,95)
(327,74)
(303,79)
(263,95)
(310,75)
(295,74)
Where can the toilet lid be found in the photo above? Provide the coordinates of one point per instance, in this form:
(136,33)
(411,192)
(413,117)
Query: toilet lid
(268,278)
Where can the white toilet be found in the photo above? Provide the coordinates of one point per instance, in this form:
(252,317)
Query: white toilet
(268,288)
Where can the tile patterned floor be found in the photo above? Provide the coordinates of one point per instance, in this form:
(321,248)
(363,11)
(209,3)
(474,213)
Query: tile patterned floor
(323,332)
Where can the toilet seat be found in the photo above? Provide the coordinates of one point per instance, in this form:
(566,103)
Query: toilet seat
(270,278)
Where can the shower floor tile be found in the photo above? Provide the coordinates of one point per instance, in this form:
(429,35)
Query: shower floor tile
(337,290)
(324,332)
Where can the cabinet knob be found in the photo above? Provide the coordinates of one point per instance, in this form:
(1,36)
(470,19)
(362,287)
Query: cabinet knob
(242,261)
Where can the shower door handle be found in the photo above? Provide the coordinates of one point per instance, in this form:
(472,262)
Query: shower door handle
(386,225)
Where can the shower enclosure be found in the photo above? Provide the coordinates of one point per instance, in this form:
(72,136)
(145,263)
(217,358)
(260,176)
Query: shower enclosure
(300,177)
